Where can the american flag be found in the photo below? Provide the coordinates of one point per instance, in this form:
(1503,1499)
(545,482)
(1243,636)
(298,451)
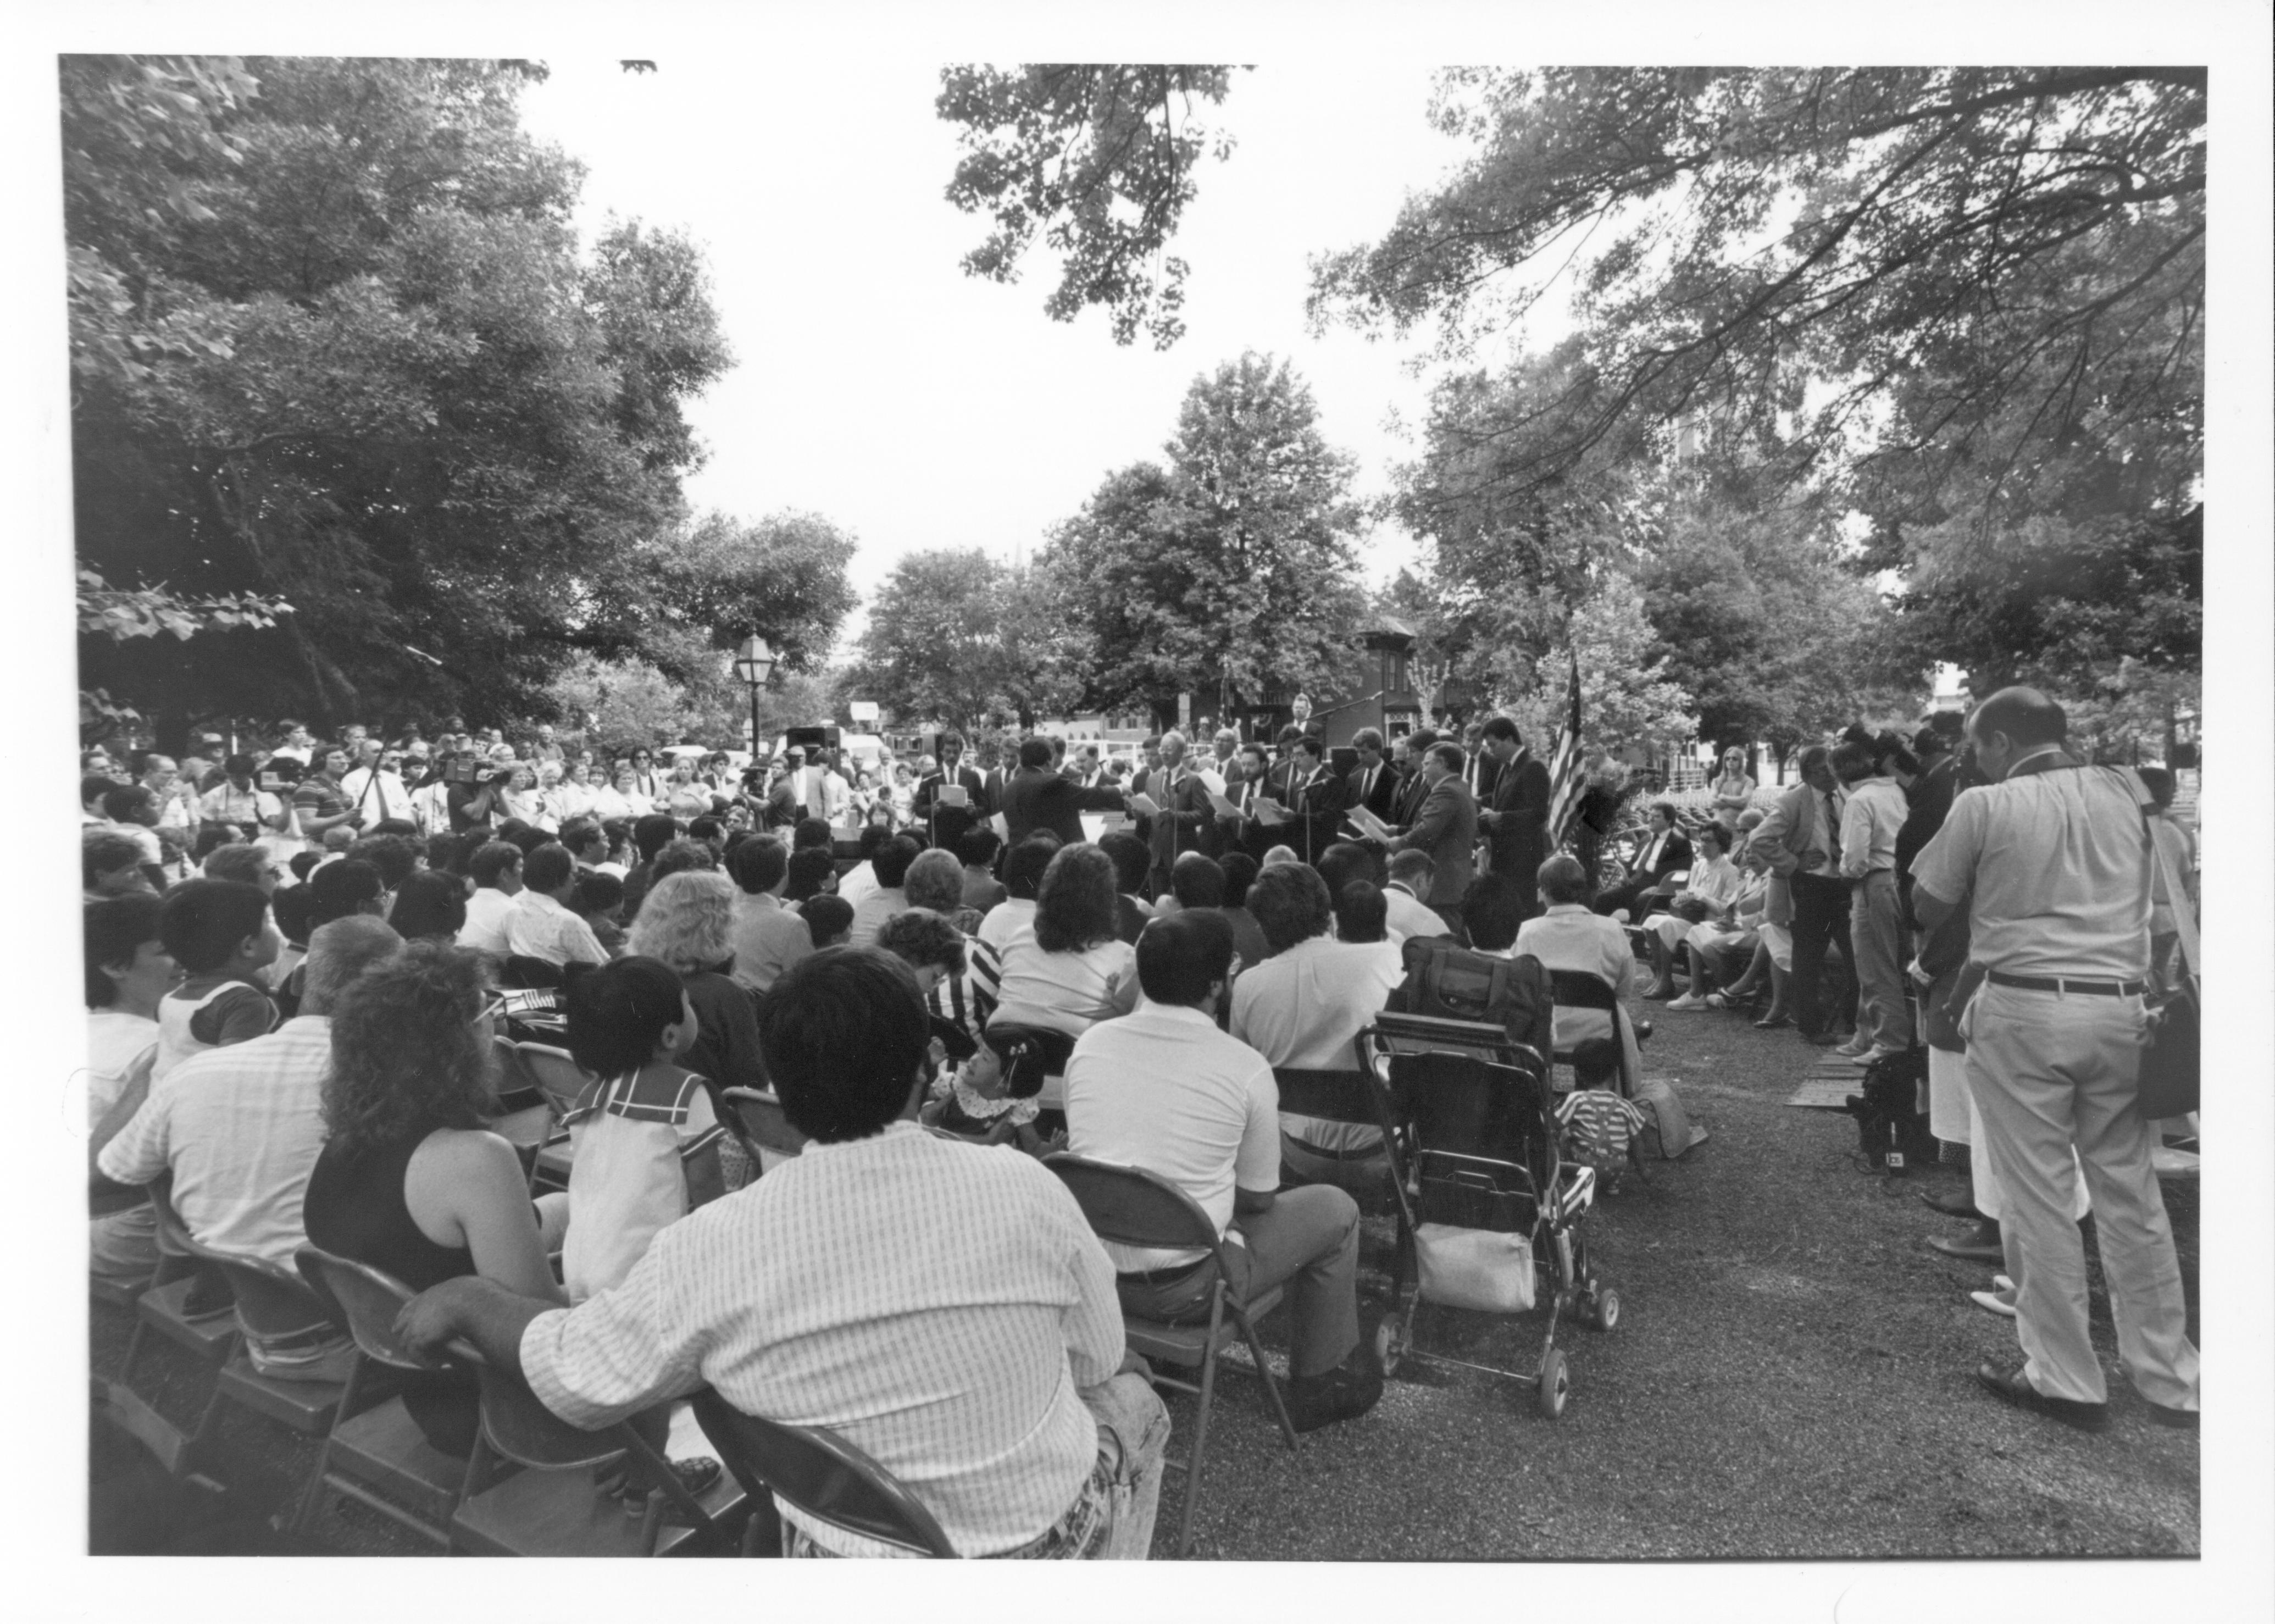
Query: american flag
(1565,780)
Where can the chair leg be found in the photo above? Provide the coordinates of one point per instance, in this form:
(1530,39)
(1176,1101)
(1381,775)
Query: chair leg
(1264,1374)
(1200,1428)
(312,1498)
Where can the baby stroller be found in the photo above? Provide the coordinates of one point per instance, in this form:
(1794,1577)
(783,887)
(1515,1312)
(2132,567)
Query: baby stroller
(1489,1214)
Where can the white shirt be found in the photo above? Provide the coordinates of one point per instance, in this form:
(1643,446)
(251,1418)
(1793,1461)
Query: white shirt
(391,798)
(225,803)
(119,1047)
(1006,922)
(486,911)
(1304,1008)
(1068,991)
(878,904)
(1569,936)
(1869,826)
(626,1183)
(829,1293)
(1405,914)
(538,927)
(1164,1090)
(857,882)
(240,1128)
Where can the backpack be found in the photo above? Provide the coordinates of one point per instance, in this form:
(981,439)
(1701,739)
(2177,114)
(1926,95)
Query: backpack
(1454,983)
(1892,1130)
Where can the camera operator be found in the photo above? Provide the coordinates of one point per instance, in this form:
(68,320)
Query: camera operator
(477,788)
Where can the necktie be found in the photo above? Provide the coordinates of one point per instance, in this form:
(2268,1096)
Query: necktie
(1832,831)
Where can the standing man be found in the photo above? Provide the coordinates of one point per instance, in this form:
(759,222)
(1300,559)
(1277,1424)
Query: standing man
(1800,840)
(320,802)
(1407,755)
(944,824)
(1480,774)
(1036,798)
(375,788)
(547,748)
(1227,745)
(1244,789)
(1185,811)
(1374,783)
(1869,827)
(1316,797)
(235,800)
(1516,815)
(1928,802)
(178,800)
(2052,862)
(1446,828)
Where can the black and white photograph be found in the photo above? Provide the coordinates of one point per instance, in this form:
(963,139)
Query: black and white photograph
(1453,805)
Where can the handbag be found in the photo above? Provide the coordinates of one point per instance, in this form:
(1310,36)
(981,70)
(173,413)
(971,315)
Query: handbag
(2172,1040)
(1473,1246)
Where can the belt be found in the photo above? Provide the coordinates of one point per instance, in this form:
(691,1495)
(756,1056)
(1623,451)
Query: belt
(2064,983)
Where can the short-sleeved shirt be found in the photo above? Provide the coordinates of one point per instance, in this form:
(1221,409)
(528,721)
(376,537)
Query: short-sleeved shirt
(2056,864)
(768,940)
(537,927)
(486,912)
(1162,1088)
(1067,991)
(1870,824)
(318,797)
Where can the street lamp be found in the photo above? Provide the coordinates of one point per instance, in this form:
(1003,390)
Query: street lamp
(754,662)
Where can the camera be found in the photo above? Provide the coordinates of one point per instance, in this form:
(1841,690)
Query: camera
(462,772)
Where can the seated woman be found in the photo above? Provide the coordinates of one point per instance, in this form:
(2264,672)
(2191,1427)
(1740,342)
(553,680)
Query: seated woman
(688,922)
(1716,946)
(1710,895)
(1568,936)
(411,1181)
(1073,970)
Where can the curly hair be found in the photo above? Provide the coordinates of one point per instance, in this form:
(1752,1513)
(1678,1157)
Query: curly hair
(687,920)
(1074,906)
(407,1057)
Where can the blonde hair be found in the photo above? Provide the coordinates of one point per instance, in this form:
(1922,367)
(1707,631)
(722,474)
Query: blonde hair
(687,919)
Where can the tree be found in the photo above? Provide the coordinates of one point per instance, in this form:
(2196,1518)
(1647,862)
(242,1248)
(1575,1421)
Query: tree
(932,650)
(1626,693)
(1100,159)
(1230,570)
(1945,275)
(620,704)
(697,587)
(333,343)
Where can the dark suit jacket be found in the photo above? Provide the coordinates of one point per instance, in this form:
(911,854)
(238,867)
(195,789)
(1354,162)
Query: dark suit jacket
(1446,828)
(944,826)
(1407,804)
(1674,857)
(1518,827)
(1321,801)
(1038,798)
(1930,798)
(1382,799)
(1185,812)
(1246,835)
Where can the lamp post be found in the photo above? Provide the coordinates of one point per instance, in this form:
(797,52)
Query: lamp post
(754,662)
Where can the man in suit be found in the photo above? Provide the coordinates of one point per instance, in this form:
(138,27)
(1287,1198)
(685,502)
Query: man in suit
(1800,840)
(1374,783)
(1318,798)
(1480,772)
(1036,798)
(1515,814)
(1666,852)
(1446,828)
(1280,780)
(944,825)
(784,808)
(1928,800)
(1185,811)
(1408,755)
(1244,786)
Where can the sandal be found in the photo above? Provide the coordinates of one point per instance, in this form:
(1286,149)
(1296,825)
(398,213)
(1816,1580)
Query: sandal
(1772,1021)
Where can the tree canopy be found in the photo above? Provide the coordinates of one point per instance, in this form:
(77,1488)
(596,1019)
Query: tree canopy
(1100,159)
(333,341)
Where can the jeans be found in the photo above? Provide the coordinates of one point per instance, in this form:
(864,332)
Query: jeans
(2052,1071)
(1820,918)
(1307,1240)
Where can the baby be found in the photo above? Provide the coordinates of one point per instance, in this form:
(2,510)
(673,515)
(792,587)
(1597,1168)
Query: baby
(1599,1125)
(975,1100)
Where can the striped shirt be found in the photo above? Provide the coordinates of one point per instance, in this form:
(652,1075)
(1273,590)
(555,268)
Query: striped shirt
(938,1305)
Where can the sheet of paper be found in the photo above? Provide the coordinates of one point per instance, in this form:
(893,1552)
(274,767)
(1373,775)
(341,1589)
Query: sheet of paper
(955,795)
(1214,779)
(1271,814)
(1142,806)
(1002,826)
(1223,807)
(1368,824)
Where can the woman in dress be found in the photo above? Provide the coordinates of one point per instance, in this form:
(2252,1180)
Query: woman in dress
(524,800)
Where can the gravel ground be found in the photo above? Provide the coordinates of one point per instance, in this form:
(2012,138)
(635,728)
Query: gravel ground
(1791,1377)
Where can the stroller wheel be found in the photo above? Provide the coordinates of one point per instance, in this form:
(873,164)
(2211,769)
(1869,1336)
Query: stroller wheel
(1389,1345)
(1604,1308)
(1555,1384)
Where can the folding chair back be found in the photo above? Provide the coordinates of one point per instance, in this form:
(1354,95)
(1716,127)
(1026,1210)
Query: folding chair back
(1133,1207)
(271,1304)
(522,969)
(764,1126)
(552,1073)
(822,1475)
(513,1073)
(365,1302)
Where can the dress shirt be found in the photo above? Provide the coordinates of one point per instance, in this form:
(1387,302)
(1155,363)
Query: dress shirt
(1302,1009)
(390,799)
(876,906)
(1822,853)
(538,927)
(1164,1090)
(225,803)
(830,1293)
(1405,914)
(240,1128)
(768,940)
(1869,827)
(487,911)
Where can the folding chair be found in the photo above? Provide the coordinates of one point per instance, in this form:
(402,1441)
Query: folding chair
(523,971)
(553,1508)
(209,1337)
(1132,1207)
(555,1074)
(527,1123)
(819,1473)
(763,1130)
(376,1456)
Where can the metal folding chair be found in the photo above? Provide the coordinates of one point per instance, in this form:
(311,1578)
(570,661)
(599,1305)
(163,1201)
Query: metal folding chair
(1132,1207)
(822,1475)
(209,1336)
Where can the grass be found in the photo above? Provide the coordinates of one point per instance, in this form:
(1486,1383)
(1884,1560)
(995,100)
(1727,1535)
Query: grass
(1791,1377)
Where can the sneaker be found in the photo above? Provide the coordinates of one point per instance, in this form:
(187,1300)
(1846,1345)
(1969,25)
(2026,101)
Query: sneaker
(1341,1394)
(1854,1049)
(1687,1003)
(1999,1302)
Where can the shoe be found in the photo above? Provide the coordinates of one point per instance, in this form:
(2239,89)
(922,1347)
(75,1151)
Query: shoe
(1660,994)
(1874,1055)
(1968,1251)
(2015,1388)
(2165,1415)
(1999,1302)
(1963,1207)
(695,1473)
(1773,1021)
(1687,1003)
(1851,1050)
(1717,1001)
(1642,1032)
(1999,1283)
(1341,1394)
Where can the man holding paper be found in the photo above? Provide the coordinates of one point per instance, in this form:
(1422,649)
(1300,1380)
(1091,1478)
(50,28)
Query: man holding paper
(1317,797)
(1177,803)
(1446,827)
(949,802)
(1237,828)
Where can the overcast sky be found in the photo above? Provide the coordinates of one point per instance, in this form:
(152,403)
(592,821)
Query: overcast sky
(919,407)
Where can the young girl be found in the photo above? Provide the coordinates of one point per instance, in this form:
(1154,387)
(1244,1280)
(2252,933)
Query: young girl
(218,932)
(630,1022)
(970,1099)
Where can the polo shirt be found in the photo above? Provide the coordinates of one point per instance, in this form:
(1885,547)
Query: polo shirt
(1162,1088)
(768,939)
(1869,827)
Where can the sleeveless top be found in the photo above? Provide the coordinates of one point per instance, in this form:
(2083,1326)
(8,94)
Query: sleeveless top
(174,1042)
(354,1207)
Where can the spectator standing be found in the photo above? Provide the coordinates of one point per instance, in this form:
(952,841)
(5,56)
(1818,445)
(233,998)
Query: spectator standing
(1514,817)
(1869,825)
(237,802)
(321,802)
(1800,840)
(2051,863)
(376,786)
(1445,825)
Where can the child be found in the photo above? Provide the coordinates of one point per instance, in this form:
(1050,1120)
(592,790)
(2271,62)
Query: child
(218,932)
(629,1024)
(970,1099)
(1599,1125)
(601,900)
(828,919)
